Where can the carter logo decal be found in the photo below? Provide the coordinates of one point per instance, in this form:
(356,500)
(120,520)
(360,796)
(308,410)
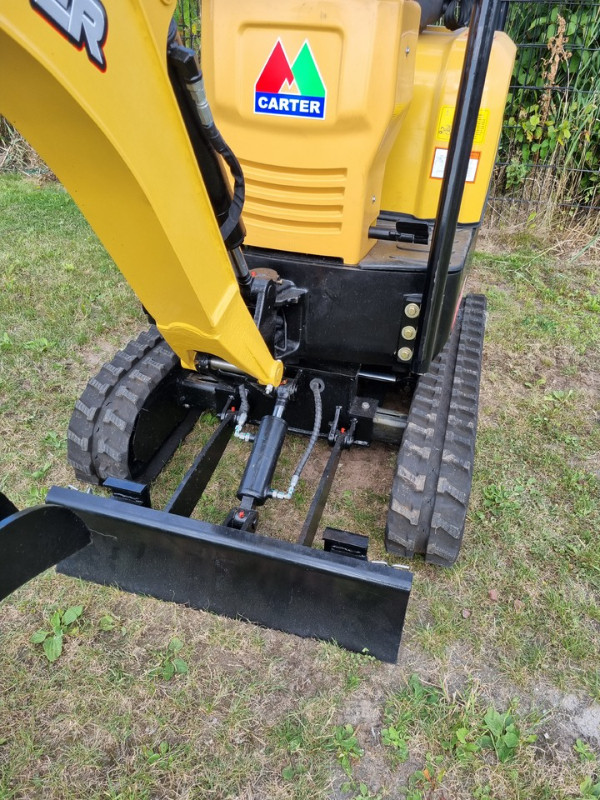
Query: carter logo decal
(290,91)
(83,22)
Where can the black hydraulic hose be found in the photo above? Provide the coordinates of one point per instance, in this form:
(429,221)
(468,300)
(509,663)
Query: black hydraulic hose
(457,14)
(239,185)
(189,76)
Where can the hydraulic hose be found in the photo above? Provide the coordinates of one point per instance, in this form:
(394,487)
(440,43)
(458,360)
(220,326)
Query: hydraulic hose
(457,14)
(185,64)
(243,416)
(317,387)
(239,186)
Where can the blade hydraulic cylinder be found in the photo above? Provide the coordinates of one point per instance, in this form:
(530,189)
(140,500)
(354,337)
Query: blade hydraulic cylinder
(256,480)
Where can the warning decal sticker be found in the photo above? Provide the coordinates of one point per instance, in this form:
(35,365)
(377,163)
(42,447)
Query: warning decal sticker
(439,164)
(447,117)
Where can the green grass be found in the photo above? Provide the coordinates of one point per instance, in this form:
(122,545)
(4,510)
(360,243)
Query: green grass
(513,629)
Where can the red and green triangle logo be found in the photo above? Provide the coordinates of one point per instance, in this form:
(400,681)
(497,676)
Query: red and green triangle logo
(278,75)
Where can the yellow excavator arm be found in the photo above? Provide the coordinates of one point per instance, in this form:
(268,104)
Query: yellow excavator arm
(86,83)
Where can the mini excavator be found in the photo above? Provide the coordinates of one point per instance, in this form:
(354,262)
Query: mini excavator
(296,211)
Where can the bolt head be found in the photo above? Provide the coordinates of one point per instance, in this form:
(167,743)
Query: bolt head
(405,353)
(408,332)
(365,406)
(412,310)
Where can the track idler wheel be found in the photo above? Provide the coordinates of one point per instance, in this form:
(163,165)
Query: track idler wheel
(434,472)
(128,413)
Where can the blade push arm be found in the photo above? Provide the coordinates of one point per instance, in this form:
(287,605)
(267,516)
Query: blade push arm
(86,83)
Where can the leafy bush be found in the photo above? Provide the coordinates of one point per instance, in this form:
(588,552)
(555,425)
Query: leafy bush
(553,114)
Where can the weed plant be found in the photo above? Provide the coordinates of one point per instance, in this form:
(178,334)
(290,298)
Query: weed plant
(551,141)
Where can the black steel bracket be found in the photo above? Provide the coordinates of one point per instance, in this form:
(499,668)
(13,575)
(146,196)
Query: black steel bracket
(195,481)
(349,544)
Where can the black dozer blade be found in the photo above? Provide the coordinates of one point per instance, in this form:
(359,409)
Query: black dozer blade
(238,574)
(33,540)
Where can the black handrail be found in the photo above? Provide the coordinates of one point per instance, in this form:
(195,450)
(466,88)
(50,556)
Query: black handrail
(478,50)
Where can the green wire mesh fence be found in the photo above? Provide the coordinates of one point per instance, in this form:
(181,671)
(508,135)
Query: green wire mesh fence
(550,149)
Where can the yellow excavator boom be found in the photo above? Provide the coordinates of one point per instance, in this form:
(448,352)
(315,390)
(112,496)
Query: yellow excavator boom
(86,83)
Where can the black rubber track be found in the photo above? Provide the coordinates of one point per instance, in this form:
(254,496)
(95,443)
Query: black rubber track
(86,415)
(434,472)
(111,447)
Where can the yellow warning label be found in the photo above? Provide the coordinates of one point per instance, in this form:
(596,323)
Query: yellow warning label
(447,118)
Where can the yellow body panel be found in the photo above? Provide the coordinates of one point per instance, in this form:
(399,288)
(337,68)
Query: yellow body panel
(415,166)
(116,140)
(312,185)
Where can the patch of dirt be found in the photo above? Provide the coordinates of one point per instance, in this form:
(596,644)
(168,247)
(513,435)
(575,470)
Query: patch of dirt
(572,717)
(366,468)
(101,352)
(565,717)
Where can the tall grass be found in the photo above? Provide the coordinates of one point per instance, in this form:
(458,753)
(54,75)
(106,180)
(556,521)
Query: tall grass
(16,155)
(550,149)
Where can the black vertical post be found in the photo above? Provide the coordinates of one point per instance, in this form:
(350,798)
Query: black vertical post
(503,15)
(479,47)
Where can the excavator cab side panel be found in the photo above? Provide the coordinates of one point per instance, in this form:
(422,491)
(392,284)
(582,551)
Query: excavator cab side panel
(311,97)
(415,167)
